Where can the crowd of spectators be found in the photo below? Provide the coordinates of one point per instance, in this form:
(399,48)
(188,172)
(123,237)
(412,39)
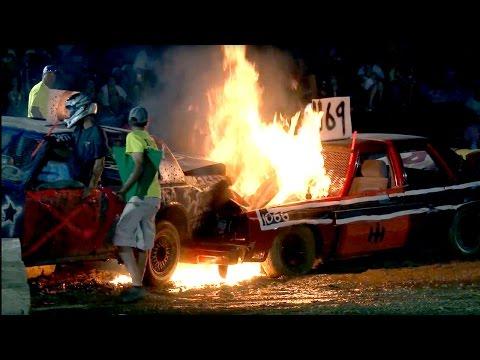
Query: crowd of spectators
(397,90)
(116,80)
(393,85)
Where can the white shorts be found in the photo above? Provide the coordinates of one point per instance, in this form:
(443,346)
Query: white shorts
(136,226)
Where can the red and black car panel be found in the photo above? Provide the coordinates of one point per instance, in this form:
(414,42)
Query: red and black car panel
(42,206)
(422,196)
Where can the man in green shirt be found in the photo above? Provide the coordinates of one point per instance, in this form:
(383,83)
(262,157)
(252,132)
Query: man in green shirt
(38,97)
(136,226)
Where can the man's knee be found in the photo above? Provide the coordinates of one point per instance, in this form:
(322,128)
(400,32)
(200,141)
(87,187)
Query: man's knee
(124,249)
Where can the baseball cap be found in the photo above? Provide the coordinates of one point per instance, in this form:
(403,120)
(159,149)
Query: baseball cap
(138,115)
(49,68)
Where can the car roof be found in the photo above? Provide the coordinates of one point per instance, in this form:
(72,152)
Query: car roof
(366,137)
(43,127)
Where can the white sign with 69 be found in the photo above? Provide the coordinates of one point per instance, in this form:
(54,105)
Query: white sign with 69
(336,122)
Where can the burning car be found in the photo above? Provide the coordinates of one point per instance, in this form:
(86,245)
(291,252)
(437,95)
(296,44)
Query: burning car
(387,191)
(313,192)
(299,191)
(42,205)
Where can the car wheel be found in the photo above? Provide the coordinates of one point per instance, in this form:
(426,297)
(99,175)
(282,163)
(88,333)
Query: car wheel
(292,253)
(164,256)
(465,232)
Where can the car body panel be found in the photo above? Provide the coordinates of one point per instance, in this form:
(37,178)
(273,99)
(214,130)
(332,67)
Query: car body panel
(355,225)
(55,225)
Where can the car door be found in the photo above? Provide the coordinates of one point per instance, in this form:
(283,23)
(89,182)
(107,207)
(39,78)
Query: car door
(370,221)
(58,222)
(61,224)
(17,168)
(425,176)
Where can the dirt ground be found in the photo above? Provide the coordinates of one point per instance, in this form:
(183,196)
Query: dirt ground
(388,285)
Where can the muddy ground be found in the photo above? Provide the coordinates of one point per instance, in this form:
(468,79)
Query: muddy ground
(389,284)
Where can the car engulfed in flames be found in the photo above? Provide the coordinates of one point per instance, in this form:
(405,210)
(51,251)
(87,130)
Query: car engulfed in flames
(269,163)
(295,202)
(261,161)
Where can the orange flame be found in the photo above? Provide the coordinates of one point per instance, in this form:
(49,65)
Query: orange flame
(121,279)
(189,276)
(198,275)
(263,157)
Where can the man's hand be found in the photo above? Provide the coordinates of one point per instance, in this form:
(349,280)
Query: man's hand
(121,194)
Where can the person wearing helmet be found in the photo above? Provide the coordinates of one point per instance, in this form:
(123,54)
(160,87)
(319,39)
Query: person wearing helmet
(89,142)
(136,226)
(38,97)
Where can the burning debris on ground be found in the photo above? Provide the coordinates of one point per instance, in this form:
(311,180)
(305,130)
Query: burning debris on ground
(400,289)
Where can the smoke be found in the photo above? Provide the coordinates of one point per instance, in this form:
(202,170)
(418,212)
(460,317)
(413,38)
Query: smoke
(276,70)
(178,105)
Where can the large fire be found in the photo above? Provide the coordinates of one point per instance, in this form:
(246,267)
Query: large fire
(271,162)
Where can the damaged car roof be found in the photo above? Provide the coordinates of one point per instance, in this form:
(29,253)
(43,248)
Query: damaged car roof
(43,127)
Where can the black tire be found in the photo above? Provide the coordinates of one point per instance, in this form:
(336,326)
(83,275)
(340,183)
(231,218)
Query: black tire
(464,234)
(292,253)
(165,255)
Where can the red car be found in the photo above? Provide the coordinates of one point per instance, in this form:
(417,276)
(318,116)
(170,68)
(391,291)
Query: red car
(387,191)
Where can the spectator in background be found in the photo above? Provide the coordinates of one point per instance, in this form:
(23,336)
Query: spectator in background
(9,65)
(401,86)
(135,95)
(143,67)
(128,78)
(16,100)
(33,61)
(372,78)
(112,96)
(118,76)
(394,87)
(9,70)
(114,101)
(38,97)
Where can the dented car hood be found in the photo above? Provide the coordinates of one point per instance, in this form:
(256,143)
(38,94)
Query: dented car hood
(198,166)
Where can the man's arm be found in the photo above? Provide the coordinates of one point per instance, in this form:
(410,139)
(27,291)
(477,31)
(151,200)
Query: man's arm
(135,175)
(96,175)
(97,172)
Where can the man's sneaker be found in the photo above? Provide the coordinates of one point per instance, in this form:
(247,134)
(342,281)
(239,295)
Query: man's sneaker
(135,293)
